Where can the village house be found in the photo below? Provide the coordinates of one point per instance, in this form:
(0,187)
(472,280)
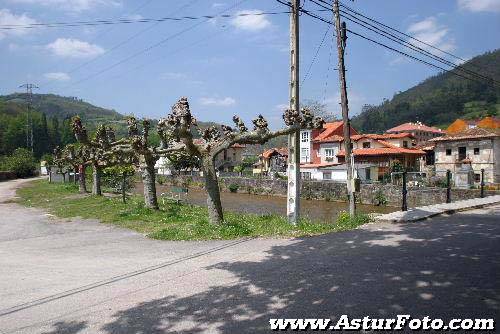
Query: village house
(476,146)
(421,132)
(323,157)
(460,125)
(375,154)
(273,160)
(225,161)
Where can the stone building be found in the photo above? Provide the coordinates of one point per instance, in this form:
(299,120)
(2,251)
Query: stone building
(478,146)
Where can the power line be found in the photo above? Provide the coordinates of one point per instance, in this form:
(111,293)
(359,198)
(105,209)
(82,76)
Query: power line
(127,40)
(315,55)
(130,21)
(149,48)
(407,44)
(452,71)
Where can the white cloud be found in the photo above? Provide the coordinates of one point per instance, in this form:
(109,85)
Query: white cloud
(479,5)
(74,48)
(356,102)
(8,18)
(251,22)
(57,76)
(433,33)
(72,5)
(212,101)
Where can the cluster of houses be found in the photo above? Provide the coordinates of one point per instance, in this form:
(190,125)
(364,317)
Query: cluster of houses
(466,146)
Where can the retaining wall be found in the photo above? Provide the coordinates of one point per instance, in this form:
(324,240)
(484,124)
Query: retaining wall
(336,191)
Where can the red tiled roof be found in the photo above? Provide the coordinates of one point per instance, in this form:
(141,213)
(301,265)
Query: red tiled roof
(281,150)
(382,151)
(409,127)
(383,136)
(330,128)
(473,133)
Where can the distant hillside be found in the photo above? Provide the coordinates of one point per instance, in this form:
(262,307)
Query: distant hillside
(51,116)
(439,100)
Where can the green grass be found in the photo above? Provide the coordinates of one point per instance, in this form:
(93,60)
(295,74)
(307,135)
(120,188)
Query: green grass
(173,221)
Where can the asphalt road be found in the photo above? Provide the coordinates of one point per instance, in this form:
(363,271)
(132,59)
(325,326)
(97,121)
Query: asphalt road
(84,277)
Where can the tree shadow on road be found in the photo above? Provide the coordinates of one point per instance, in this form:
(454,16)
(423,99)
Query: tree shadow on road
(441,269)
(68,327)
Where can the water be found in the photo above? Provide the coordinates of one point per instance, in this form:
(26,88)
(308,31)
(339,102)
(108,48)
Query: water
(261,204)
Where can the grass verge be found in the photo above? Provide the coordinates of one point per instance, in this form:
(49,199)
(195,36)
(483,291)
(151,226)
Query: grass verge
(173,221)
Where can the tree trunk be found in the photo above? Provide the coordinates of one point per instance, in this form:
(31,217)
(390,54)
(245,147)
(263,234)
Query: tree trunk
(64,177)
(82,186)
(96,184)
(50,175)
(124,176)
(149,182)
(214,204)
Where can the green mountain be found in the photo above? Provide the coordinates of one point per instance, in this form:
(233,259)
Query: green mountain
(440,99)
(51,115)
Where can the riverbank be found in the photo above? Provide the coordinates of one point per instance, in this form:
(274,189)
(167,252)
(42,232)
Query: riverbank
(173,221)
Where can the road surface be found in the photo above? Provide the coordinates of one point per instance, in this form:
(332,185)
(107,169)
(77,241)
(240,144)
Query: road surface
(81,276)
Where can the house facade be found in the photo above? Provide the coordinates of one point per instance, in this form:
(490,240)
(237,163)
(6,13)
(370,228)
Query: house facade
(478,146)
(420,132)
(272,161)
(375,154)
(323,156)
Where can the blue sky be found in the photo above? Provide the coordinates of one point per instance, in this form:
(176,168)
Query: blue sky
(224,66)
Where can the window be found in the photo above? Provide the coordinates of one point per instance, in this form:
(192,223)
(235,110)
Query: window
(327,175)
(366,144)
(448,151)
(477,177)
(476,150)
(304,136)
(329,154)
(405,144)
(304,154)
(305,175)
(462,153)
(368,174)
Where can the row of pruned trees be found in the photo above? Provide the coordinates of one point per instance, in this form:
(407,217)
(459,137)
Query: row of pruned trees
(177,142)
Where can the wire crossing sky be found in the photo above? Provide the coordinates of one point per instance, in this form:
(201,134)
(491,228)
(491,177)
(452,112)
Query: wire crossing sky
(228,57)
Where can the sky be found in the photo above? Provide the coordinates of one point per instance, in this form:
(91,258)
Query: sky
(225,66)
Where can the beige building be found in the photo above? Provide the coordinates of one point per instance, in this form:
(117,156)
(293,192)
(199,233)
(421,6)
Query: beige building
(418,130)
(479,146)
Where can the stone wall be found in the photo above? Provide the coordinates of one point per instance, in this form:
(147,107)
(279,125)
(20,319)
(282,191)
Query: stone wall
(336,191)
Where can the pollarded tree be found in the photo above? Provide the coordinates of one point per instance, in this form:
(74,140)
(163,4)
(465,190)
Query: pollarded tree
(77,156)
(98,149)
(60,162)
(147,154)
(179,125)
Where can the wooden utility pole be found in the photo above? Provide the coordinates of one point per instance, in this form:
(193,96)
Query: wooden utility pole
(293,194)
(341,44)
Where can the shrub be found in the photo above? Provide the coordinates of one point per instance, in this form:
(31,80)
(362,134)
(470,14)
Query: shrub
(233,187)
(346,222)
(380,198)
(115,175)
(21,162)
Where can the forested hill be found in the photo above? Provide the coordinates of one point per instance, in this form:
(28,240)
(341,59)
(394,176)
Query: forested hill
(51,115)
(439,100)
(57,106)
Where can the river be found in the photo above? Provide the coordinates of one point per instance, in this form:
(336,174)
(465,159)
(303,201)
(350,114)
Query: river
(261,204)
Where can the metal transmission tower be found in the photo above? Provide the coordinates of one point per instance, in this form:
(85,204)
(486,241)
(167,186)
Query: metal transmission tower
(341,31)
(29,120)
(293,194)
